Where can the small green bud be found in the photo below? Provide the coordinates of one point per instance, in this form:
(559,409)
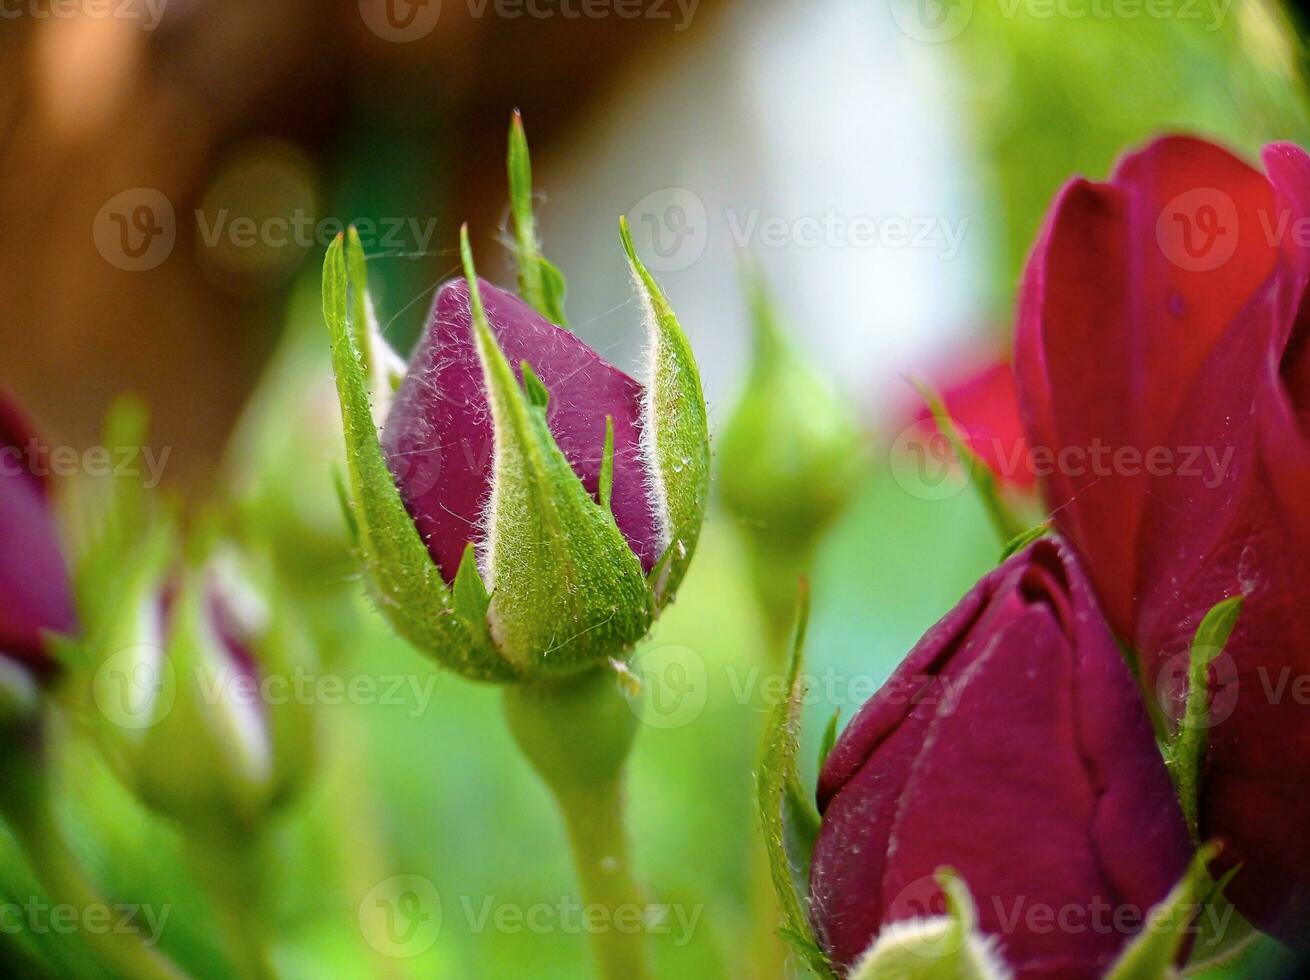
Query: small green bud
(790,458)
(181,688)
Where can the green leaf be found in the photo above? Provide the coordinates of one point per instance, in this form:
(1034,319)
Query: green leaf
(540,283)
(567,590)
(675,433)
(408,586)
(1186,752)
(1007,525)
(787,818)
(1154,951)
(936,947)
(1222,935)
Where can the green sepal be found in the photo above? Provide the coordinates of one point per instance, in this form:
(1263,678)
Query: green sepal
(1007,525)
(1024,539)
(1154,951)
(111,518)
(471,596)
(605,485)
(567,592)
(541,284)
(1223,936)
(1185,752)
(787,817)
(407,585)
(829,739)
(121,682)
(935,947)
(675,432)
(536,393)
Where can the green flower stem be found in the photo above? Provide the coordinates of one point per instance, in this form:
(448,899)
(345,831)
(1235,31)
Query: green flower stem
(26,806)
(777,564)
(230,869)
(595,823)
(577,734)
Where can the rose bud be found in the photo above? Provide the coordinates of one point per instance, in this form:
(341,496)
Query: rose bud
(181,689)
(1012,746)
(789,460)
(35,595)
(531,508)
(1163,359)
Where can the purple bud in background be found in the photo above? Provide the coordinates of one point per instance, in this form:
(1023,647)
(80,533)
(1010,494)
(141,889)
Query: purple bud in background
(1011,745)
(35,595)
(438,435)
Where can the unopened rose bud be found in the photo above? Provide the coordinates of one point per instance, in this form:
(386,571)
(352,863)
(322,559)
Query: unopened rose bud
(185,715)
(1013,746)
(538,506)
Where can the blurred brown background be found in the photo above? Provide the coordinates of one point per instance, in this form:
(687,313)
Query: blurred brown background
(245,107)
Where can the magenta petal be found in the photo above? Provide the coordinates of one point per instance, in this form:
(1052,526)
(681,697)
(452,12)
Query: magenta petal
(438,435)
(35,595)
(1012,745)
(1119,298)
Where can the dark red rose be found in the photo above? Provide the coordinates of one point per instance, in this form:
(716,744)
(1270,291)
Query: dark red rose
(1163,321)
(1011,745)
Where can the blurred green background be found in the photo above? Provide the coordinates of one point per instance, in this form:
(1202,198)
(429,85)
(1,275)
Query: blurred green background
(431,785)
